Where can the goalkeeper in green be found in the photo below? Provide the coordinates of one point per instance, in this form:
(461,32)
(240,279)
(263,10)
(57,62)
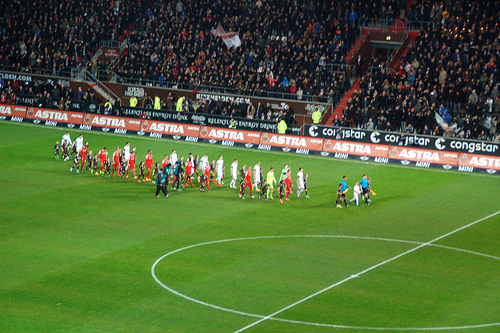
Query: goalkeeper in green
(271,181)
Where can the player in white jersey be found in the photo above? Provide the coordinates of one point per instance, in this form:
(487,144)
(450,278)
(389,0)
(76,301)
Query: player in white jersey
(203,161)
(256,176)
(126,151)
(234,173)
(79,143)
(220,170)
(173,157)
(356,192)
(203,164)
(66,138)
(300,182)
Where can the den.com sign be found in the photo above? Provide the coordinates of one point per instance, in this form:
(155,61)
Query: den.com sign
(403,139)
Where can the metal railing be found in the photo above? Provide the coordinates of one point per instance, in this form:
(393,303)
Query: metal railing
(67,72)
(117,60)
(110,43)
(386,24)
(90,77)
(398,49)
(375,23)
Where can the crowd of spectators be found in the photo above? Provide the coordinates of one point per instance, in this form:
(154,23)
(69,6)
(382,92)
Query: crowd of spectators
(54,35)
(44,94)
(453,71)
(287,45)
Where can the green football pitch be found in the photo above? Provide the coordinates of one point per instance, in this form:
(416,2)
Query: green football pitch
(83,253)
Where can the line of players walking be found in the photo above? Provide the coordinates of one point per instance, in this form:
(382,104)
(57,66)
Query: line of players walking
(266,186)
(176,171)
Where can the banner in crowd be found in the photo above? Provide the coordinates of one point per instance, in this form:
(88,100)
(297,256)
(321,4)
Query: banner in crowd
(75,105)
(403,139)
(129,91)
(155,114)
(207,119)
(337,148)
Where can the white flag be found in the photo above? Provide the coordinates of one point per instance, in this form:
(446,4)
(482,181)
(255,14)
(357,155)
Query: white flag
(230,39)
(440,121)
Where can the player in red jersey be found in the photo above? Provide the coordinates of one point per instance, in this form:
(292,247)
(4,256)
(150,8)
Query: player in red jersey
(103,154)
(206,172)
(189,172)
(164,162)
(288,186)
(83,154)
(116,161)
(149,164)
(131,163)
(248,183)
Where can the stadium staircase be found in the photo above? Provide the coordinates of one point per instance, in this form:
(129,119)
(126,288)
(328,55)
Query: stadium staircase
(340,108)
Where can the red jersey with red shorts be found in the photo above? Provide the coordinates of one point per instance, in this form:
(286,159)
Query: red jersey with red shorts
(288,186)
(116,159)
(83,154)
(102,156)
(189,168)
(131,161)
(206,171)
(149,161)
(248,181)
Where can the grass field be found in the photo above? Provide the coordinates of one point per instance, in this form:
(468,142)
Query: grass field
(80,253)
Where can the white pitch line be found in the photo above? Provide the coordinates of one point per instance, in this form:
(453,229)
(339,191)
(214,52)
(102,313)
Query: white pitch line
(364,271)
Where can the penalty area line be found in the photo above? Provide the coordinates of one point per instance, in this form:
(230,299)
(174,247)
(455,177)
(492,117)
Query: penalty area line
(357,275)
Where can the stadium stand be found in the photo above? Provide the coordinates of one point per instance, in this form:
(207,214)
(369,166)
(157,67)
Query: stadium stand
(452,71)
(290,50)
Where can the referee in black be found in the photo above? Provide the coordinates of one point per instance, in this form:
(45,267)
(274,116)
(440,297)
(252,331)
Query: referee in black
(160,184)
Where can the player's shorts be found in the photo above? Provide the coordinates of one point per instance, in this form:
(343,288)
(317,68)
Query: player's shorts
(366,190)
